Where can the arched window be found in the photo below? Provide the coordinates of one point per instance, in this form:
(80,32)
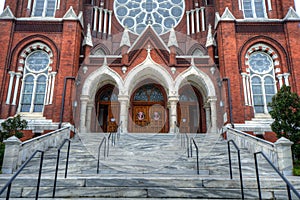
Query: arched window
(149,93)
(262,80)
(254,9)
(34,82)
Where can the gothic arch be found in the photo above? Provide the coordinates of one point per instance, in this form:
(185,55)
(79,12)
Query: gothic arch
(200,80)
(100,47)
(260,41)
(148,70)
(195,47)
(98,78)
(26,42)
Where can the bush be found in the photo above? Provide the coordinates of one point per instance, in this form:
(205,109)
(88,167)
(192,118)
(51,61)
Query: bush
(11,126)
(285,110)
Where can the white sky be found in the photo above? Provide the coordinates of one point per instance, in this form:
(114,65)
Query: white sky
(297,3)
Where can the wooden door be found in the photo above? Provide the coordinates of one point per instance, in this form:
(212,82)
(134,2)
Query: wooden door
(149,119)
(157,118)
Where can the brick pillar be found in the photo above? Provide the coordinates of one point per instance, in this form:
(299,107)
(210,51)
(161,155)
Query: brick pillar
(11,155)
(284,156)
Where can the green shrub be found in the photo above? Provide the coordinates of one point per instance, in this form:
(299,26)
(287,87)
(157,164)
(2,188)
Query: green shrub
(11,126)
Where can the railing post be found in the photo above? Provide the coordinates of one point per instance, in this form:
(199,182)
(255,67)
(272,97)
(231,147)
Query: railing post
(257,176)
(40,175)
(11,155)
(229,157)
(284,156)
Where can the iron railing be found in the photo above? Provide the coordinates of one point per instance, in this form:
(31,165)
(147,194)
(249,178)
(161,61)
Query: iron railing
(57,163)
(239,162)
(119,130)
(103,141)
(9,183)
(184,142)
(289,186)
(111,136)
(192,141)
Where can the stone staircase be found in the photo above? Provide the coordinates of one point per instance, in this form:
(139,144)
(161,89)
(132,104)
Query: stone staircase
(147,166)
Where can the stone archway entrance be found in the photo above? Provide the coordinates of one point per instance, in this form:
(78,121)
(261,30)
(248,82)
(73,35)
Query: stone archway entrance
(190,113)
(107,108)
(148,110)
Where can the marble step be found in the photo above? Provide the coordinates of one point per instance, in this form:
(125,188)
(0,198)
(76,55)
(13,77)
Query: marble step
(118,186)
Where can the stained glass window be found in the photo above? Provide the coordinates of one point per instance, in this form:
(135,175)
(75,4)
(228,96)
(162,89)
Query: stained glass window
(262,81)
(35,82)
(149,93)
(161,14)
(108,95)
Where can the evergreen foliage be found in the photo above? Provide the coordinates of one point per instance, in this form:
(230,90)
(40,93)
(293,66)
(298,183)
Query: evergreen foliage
(285,110)
(12,126)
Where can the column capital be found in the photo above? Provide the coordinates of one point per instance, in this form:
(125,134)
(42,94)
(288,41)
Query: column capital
(244,74)
(18,74)
(84,98)
(212,99)
(12,73)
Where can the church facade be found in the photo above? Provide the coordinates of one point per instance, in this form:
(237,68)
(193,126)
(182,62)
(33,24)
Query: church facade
(147,65)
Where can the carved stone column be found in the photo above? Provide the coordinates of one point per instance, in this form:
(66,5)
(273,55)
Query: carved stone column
(83,110)
(89,116)
(173,100)
(124,105)
(12,75)
(213,108)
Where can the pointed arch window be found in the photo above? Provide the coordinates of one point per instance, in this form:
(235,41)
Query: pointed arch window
(44,8)
(149,93)
(254,9)
(262,78)
(34,86)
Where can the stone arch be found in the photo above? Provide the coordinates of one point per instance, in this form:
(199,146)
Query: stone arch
(148,70)
(267,45)
(31,42)
(204,84)
(197,76)
(100,77)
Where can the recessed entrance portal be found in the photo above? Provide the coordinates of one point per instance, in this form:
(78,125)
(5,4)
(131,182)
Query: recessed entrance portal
(148,110)
(190,112)
(108,108)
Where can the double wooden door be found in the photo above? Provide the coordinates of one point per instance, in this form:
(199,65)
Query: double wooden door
(149,119)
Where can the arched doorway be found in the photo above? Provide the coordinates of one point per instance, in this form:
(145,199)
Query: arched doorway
(190,112)
(107,108)
(148,110)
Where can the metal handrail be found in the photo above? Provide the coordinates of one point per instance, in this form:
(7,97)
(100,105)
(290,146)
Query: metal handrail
(240,165)
(103,141)
(8,184)
(187,144)
(288,184)
(197,152)
(112,136)
(119,130)
(57,163)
